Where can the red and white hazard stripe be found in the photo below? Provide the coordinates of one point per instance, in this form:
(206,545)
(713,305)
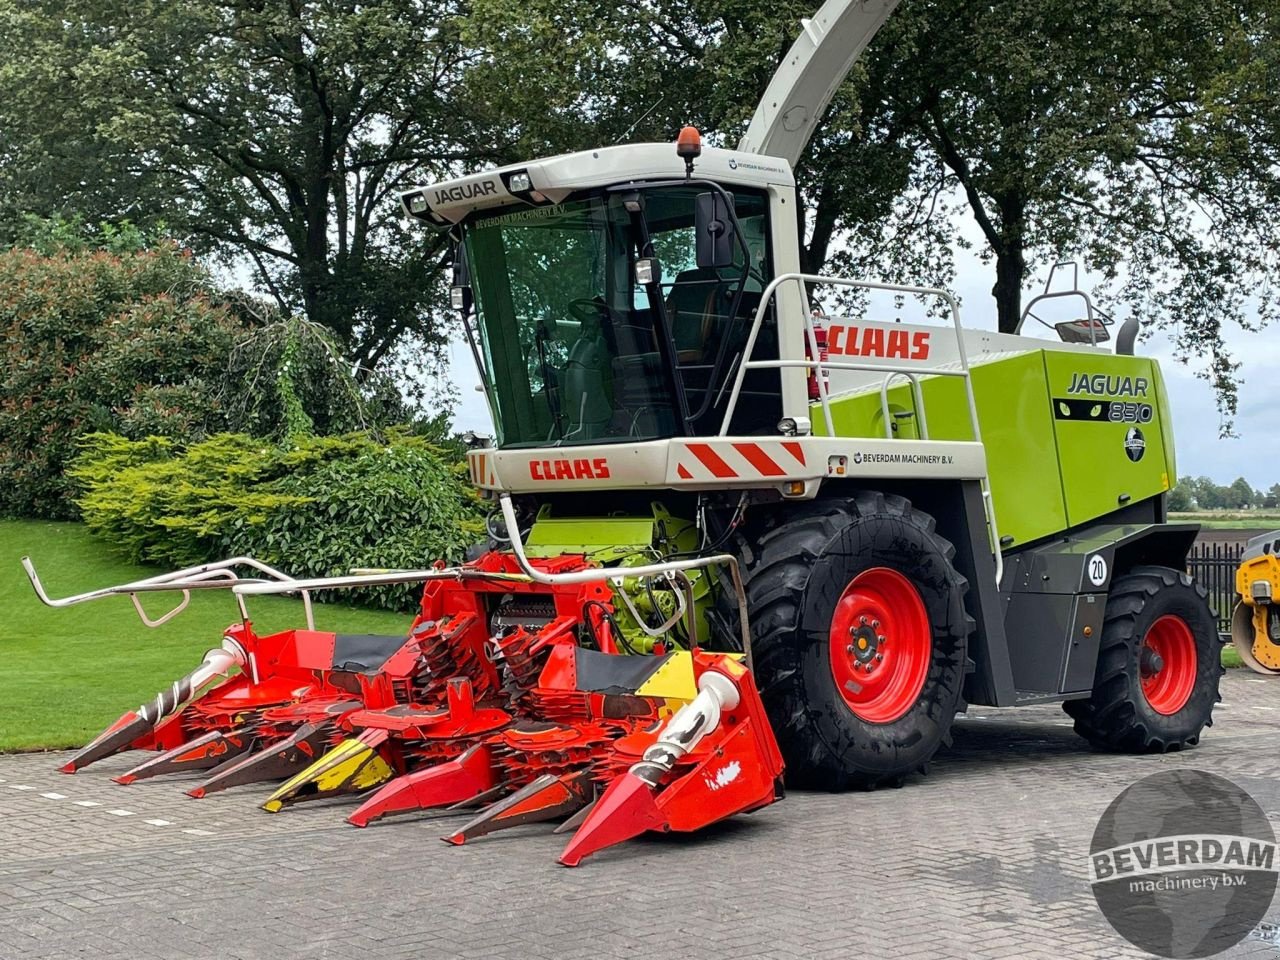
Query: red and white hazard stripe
(740,460)
(480,466)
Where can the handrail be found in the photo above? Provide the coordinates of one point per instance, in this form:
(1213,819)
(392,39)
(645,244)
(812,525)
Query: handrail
(1075,291)
(803,280)
(916,393)
(219,575)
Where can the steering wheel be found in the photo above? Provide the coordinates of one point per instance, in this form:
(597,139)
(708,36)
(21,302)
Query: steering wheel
(588,309)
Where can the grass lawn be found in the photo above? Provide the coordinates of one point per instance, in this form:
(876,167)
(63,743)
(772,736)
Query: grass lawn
(1231,519)
(65,674)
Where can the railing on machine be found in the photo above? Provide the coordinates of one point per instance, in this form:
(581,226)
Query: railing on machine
(818,367)
(220,575)
(1094,320)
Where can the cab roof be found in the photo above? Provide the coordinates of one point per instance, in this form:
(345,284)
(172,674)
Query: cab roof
(551,179)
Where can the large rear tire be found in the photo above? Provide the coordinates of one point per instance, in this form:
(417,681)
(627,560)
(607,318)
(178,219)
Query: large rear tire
(859,636)
(1159,663)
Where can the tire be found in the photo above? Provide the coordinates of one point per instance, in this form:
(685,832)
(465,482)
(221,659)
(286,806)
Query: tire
(801,591)
(1152,609)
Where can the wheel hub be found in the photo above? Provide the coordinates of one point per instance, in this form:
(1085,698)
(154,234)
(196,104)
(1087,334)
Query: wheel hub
(880,645)
(865,643)
(1167,664)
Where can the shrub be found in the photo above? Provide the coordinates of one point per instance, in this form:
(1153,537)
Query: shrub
(312,506)
(135,340)
(289,378)
(94,341)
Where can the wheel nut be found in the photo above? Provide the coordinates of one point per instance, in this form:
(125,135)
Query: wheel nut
(875,624)
(849,648)
(879,657)
(880,638)
(862,621)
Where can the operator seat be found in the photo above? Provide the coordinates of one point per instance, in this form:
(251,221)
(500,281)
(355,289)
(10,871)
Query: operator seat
(586,386)
(696,305)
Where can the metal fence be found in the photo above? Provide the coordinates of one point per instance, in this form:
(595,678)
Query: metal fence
(1214,564)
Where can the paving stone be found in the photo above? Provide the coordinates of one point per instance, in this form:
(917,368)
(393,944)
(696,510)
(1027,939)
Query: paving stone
(982,860)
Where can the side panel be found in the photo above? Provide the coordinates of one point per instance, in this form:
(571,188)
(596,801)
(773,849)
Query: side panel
(1166,423)
(1055,599)
(1082,652)
(1071,435)
(1109,428)
(1017,431)
(1053,642)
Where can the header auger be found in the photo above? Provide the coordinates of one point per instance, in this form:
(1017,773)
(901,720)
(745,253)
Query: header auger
(725,533)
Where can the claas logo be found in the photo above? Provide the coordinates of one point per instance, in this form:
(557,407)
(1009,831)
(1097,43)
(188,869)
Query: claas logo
(597,469)
(851,341)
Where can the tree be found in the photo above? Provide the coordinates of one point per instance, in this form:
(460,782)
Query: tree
(1180,498)
(1137,137)
(106,328)
(1206,494)
(272,132)
(1240,494)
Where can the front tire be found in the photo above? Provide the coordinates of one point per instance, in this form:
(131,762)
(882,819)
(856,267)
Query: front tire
(859,636)
(1159,663)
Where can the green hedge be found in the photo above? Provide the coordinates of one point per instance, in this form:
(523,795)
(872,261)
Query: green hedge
(311,506)
(99,341)
(137,340)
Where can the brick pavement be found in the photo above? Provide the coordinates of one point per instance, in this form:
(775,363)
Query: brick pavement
(982,859)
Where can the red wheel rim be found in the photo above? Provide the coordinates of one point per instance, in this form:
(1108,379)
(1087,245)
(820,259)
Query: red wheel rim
(1168,664)
(881,645)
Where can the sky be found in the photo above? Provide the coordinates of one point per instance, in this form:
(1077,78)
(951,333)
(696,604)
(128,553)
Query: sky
(1195,413)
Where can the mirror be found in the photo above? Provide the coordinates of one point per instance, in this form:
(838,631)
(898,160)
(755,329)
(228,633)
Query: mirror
(713,227)
(460,285)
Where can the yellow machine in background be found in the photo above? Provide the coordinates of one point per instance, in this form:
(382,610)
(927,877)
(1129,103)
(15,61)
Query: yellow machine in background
(1255,624)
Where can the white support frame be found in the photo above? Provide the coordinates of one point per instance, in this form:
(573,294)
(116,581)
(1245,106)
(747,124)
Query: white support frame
(220,575)
(818,367)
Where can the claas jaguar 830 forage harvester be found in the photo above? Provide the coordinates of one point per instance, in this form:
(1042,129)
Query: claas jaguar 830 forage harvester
(722,539)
